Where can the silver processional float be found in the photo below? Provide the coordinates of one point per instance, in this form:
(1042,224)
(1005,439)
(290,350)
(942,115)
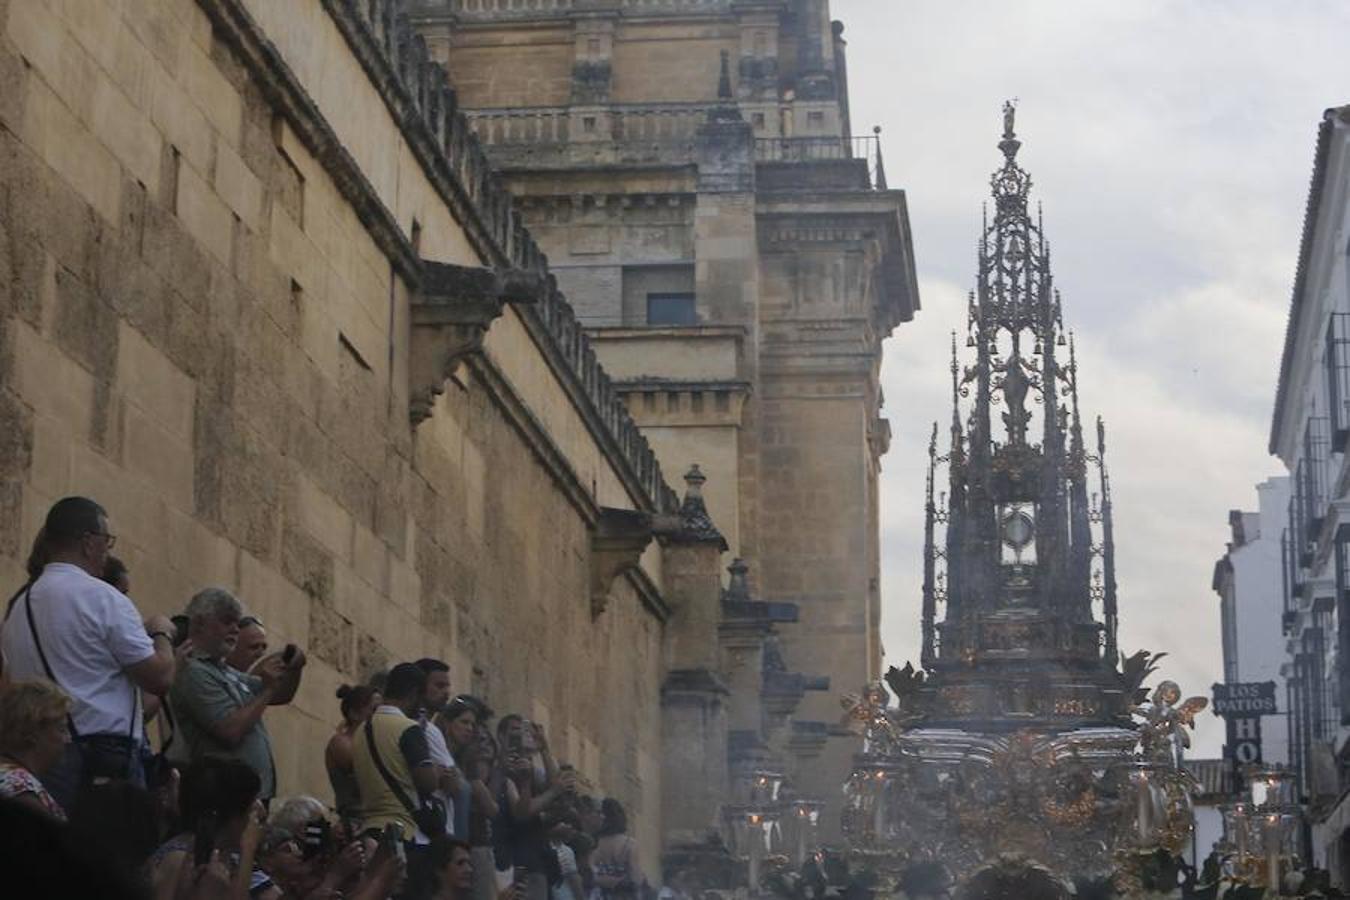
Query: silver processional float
(1025,758)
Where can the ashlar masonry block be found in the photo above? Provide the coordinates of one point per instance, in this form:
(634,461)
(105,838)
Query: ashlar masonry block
(51,381)
(56,135)
(45,42)
(161,458)
(204,214)
(213,94)
(179,120)
(127,132)
(238,186)
(148,379)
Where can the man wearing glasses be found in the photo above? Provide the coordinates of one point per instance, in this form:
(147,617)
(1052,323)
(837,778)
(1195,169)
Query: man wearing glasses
(251,645)
(72,628)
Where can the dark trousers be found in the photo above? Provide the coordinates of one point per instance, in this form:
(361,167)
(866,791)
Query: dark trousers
(89,759)
(420,883)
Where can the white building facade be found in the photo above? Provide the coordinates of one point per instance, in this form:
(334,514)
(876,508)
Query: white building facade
(1310,433)
(1249,579)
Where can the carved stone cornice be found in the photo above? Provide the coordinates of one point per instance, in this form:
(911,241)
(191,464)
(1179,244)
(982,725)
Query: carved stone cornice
(693,687)
(451,314)
(617,544)
(783,691)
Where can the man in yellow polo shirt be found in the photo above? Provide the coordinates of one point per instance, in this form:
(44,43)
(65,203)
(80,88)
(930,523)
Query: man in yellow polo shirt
(395,773)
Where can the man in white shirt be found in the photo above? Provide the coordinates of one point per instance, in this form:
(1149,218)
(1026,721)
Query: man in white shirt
(71,627)
(435,694)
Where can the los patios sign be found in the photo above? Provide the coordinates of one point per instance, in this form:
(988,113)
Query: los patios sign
(1251,698)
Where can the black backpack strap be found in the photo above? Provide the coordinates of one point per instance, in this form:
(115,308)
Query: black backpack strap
(167,710)
(42,654)
(14,601)
(388,777)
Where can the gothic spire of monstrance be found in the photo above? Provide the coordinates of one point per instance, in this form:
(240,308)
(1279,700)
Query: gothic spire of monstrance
(1016,564)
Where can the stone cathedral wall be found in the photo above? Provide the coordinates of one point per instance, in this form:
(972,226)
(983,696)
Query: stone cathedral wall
(201,329)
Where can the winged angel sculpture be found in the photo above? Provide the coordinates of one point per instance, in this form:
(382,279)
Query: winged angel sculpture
(1164,736)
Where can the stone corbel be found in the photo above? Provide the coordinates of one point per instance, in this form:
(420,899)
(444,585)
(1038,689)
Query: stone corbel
(617,544)
(451,314)
(808,739)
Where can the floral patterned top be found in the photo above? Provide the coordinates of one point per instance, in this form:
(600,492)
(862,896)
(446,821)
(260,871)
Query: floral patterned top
(15,781)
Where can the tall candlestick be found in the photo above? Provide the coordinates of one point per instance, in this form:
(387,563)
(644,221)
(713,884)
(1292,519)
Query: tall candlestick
(756,850)
(1272,830)
(1144,809)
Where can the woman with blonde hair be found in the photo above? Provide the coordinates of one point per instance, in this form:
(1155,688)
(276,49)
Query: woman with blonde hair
(34,731)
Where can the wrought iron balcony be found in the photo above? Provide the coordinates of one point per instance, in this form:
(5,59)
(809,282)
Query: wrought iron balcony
(829,148)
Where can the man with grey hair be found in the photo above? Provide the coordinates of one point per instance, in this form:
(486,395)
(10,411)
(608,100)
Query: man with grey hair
(220,709)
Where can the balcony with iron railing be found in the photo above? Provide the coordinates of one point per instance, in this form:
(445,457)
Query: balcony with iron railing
(1291,582)
(859,155)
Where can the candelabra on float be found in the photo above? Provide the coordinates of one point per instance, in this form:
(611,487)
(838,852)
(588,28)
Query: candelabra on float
(1260,832)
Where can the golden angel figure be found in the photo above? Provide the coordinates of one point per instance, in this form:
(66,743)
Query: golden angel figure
(1164,734)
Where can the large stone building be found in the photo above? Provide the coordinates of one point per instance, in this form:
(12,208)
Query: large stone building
(690,170)
(262,295)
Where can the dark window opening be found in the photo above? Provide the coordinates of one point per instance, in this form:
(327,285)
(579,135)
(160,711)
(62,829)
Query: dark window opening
(1289,571)
(1338,379)
(1343,622)
(1310,486)
(1320,726)
(671,309)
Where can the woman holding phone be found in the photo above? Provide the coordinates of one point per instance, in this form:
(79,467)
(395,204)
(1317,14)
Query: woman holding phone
(221,824)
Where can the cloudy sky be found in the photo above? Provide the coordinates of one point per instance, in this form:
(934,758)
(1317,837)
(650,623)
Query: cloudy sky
(1171,145)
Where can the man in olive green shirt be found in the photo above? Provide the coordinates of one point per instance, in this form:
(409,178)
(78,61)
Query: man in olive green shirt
(219,709)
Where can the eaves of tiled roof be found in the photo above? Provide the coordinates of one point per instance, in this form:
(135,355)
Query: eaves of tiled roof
(1310,215)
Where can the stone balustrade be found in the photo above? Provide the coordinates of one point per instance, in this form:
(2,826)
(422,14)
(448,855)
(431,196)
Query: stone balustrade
(509,7)
(675,4)
(656,123)
(561,124)
(487,9)
(520,125)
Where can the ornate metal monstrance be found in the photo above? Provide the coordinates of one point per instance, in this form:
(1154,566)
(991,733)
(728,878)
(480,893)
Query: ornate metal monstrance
(1023,739)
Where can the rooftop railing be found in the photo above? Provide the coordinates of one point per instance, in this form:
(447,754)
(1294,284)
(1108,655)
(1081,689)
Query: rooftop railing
(509,7)
(491,8)
(825,149)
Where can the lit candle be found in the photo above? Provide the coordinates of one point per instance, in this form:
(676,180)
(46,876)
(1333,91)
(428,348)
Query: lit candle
(1240,838)
(800,824)
(1144,808)
(756,821)
(879,807)
(1273,851)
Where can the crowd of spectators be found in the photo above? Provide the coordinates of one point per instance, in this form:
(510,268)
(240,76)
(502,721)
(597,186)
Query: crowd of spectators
(434,796)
